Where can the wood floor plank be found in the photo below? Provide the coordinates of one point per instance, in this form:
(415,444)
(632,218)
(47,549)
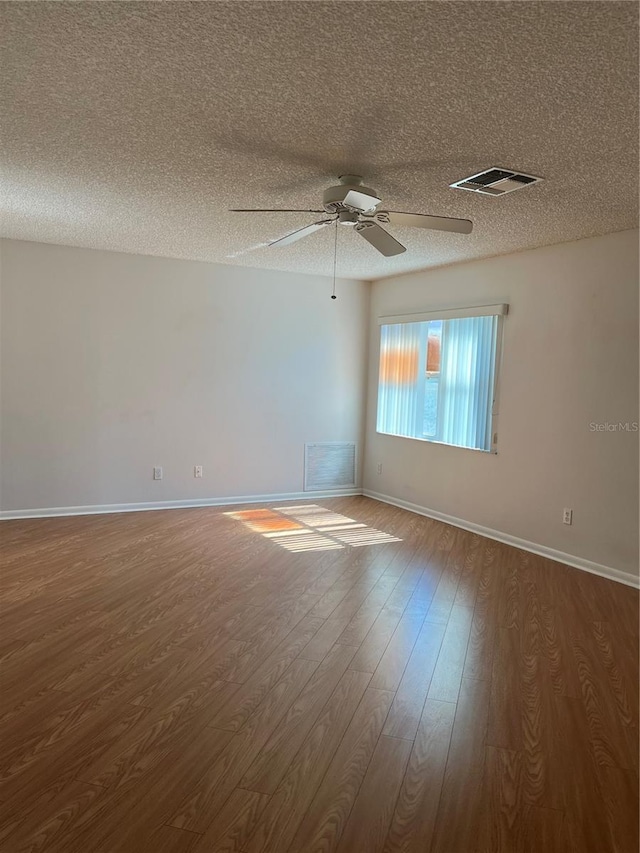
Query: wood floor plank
(414,818)
(200,808)
(389,672)
(127,817)
(539,735)
(614,661)
(377,639)
(64,758)
(233,824)
(608,734)
(53,822)
(505,718)
(144,745)
(586,818)
(447,674)
(320,644)
(471,553)
(157,683)
(243,702)
(536,695)
(621,797)
(167,839)
(404,716)
(288,805)
(423,593)
(326,817)
(447,588)
(479,660)
(367,595)
(543,830)
(502,824)
(557,648)
(269,766)
(366,828)
(128,640)
(459,816)
(509,615)
(360,623)
(21,731)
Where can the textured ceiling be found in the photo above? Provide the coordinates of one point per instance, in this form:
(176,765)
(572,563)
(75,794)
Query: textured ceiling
(135,126)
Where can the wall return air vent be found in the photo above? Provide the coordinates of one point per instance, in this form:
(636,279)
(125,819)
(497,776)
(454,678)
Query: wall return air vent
(496,182)
(329,465)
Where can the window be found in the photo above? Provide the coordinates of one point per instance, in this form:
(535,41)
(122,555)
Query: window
(438,376)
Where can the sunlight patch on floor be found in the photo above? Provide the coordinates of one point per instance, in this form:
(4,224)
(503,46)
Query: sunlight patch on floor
(310,527)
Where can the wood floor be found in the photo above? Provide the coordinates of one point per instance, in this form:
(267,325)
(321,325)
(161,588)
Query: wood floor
(177,681)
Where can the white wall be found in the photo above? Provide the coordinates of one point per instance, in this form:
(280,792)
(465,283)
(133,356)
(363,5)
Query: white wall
(570,359)
(114,363)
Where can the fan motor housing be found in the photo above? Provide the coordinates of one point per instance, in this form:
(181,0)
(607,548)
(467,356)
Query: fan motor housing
(333,198)
(348,217)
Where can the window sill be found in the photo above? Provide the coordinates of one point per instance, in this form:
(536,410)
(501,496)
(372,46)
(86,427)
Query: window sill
(492,452)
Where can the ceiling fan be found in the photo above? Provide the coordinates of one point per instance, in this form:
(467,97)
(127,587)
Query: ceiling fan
(352,204)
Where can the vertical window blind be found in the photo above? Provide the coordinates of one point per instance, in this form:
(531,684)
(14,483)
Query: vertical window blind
(438,376)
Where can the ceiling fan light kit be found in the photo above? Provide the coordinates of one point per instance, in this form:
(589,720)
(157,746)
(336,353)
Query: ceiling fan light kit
(350,195)
(354,205)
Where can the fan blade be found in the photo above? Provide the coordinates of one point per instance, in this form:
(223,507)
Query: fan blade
(300,233)
(380,239)
(271,210)
(423,220)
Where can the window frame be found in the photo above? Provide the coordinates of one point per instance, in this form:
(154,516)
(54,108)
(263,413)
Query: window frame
(500,310)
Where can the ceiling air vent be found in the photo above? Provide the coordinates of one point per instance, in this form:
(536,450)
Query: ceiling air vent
(495,182)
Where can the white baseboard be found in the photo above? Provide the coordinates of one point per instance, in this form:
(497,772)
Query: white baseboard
(101,509)
(508,539)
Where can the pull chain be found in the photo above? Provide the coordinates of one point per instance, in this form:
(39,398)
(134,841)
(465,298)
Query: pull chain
(335,260)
